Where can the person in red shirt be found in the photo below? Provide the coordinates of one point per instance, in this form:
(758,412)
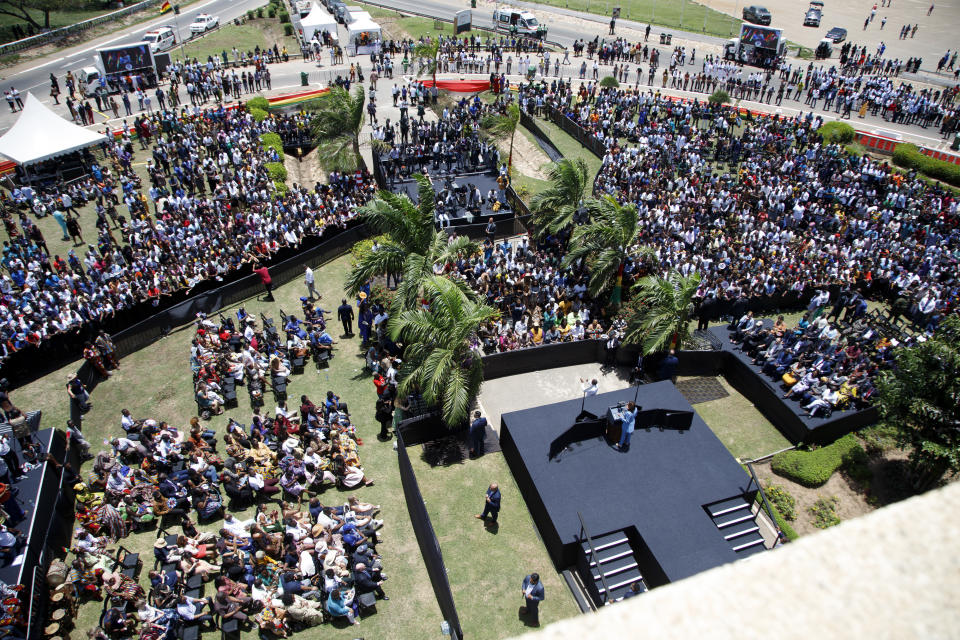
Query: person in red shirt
(265,279)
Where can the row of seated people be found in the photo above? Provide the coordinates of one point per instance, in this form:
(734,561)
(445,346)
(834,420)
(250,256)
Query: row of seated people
(225,355)
(824,365)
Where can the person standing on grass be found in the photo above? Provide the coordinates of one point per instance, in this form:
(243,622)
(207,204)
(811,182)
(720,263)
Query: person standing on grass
(265,278)
(533,595)
(478,434)
(309,281)
(491,505)
(345,315)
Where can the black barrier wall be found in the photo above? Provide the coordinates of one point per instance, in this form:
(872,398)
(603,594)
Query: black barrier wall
(427,539)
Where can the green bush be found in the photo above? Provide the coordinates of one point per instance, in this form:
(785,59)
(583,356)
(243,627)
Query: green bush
(258,103)
(281,187)
(276,171)
(837,132)
(258,114)
(272,141)
(719,97)
(363,247)
(908,156)
(259,12)
(272,12)
(288,29)
(609,81)
(824,512)
(785,526)
(284,17)
(250,14)
(814,468)
(781,499)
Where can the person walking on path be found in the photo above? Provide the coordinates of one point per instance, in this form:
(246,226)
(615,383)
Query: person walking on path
(265,278)
(345,315)
(491,506)
(533,595)
(309,281)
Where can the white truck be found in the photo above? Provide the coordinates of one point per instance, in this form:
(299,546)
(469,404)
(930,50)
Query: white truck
(518,22)
(128,66)
(758,46)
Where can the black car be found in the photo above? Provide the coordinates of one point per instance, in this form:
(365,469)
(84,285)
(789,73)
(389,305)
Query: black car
(756,15)
(813,15)
(837,34)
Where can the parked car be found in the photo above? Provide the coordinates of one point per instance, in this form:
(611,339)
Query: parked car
(161,38)
(756,15)
(837,34)
(814,15)
(204,22)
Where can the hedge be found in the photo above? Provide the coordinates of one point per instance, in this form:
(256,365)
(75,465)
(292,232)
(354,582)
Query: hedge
(834,132)
(258,114)
(609,81)
(272,141)
(908,156)
(258,103)
(276,171)
(814,468)
(719,97)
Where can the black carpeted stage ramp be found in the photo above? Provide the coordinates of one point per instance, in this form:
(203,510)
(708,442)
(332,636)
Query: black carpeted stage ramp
(786,414)
(677,503)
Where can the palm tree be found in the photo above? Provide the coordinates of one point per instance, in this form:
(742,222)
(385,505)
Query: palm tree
(431,51)
(606,243)
(441,359)
(412,247)
(335,124)
(556,206)
(663,311)
(503,126)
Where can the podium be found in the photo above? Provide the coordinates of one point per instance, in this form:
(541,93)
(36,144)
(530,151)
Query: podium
(614,427)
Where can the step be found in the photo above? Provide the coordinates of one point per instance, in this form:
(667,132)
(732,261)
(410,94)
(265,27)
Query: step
(758,541)
(614,566)
(738,520)
(744,532)
(746,552)
(605,542)
(727,506)
(609,555)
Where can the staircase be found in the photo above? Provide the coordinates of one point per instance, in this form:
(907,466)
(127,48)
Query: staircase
(608,575)
(735,519)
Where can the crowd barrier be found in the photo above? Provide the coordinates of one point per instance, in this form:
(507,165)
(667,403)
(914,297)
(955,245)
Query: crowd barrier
(423,529)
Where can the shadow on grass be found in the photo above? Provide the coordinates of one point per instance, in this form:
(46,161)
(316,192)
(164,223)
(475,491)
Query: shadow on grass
(528,619)
(445,451)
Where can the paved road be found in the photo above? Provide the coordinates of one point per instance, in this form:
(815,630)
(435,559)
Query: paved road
(36,77)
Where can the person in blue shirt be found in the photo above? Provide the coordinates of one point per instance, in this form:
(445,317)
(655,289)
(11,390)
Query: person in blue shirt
(626,427)
(533,594)
(478,434)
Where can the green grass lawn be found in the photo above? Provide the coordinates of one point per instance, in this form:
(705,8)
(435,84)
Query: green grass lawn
(486,565)
(156,382)
(260,32)
(679,14)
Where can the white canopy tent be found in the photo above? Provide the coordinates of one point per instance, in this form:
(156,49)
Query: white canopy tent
(365,35)
(317,21)
(39,134)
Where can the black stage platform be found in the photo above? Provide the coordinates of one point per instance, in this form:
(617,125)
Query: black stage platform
(658,492)
(456,209)
(786,414)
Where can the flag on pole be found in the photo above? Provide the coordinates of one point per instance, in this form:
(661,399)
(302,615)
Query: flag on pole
(165,6)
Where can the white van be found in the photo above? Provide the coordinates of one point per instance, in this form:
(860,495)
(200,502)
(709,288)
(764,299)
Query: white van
(516,21)
(161,38)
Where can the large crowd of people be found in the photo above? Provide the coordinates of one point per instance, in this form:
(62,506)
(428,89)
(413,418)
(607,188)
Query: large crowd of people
(210,210)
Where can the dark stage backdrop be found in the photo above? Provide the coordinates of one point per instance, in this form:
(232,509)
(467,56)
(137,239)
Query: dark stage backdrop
(427,539)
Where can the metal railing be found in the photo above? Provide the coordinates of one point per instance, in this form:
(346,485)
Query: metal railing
(763,498)
(56,34)
(585,534)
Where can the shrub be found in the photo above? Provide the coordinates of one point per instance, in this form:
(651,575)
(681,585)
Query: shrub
(824,512)
(250,14)
(281,187)
(784,503)
(837,132)
(719,97)
(814,468)
(284,17)
(258,103)
(609,81)
(258,114)
(785,526)
(259,12)
(857,466)
(276,171)
(272,141)
(362,248)
(288,29)
(379,294)
(909,157)
(272,12)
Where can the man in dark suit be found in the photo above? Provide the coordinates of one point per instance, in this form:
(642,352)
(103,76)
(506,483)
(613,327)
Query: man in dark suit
(478,433)
(533,594)
(365,583)
(668,366)
(345,315)
(492,504)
